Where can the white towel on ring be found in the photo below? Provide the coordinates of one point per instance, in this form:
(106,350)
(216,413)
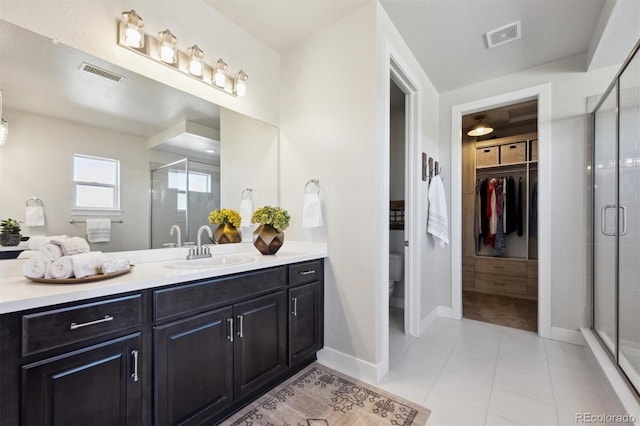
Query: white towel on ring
(98,230)
(312,211)
(86,264)
(34,216)
(36,267)
(61,268)
(437,220)
(50,251)
(246,211)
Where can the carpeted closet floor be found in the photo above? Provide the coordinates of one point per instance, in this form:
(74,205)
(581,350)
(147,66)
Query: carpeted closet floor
(501,310)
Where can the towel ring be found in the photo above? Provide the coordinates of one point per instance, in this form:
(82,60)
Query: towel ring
(36,200)
(316,182)
(249,190)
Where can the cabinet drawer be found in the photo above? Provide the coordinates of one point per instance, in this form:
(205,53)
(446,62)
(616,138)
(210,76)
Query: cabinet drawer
(201,296)
(497,266)
(532,278)
(53,329)
(305,272)
(501,283)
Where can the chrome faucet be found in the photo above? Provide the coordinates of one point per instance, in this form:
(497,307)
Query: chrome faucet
(199,251)
(179,234)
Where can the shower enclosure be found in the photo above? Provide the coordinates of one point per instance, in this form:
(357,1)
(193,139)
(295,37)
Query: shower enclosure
(616,219)
(182,193)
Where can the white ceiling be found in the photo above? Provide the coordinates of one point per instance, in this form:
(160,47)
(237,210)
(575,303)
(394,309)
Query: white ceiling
(447,36)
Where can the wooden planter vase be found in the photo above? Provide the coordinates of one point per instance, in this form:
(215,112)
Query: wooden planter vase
(267,239)
(226,233)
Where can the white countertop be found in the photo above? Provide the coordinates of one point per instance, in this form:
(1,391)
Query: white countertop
(18,293)
(24,245)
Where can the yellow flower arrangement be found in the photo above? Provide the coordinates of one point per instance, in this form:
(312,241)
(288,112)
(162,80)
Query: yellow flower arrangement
(274,216)
(219,216)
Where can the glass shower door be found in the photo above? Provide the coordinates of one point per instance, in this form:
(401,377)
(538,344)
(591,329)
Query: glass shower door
(605,221)
(629,239)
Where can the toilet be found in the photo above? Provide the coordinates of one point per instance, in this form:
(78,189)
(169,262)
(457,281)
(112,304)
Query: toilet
(396,267)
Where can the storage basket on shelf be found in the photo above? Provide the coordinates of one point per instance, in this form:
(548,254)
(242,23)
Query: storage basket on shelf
(513,153)
(487,157)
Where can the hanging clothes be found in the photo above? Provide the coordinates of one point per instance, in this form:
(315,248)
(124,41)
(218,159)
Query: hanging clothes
(510,210)
(519,211)
(499,242)
(533,213)
(489,239)
(477,223)
(484,220)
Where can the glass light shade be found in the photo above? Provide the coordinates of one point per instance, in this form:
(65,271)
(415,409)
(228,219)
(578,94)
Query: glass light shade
(240,82)
(132,34)
(196,56)
(4,131)
(480,129)
(220,69)
(168,51)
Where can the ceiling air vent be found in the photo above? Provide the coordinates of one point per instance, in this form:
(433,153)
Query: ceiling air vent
(101,72)
(503,35)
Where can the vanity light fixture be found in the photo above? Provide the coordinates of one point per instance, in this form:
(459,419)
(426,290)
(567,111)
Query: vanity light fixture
(196,56)
(168,51)
(480,128)
(220,69)
(131,30)
(163,49)
(240,83)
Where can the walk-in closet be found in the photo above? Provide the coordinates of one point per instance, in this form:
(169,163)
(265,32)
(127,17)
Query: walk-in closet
(500,218)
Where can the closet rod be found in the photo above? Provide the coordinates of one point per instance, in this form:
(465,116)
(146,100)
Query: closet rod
(500,172)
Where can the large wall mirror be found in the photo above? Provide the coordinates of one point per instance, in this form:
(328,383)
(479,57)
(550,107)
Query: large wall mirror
(60,102)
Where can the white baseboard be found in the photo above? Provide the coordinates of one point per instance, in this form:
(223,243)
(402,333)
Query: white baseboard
(447,312)
(566,335)
(617,383)
(348,364)
(428,320)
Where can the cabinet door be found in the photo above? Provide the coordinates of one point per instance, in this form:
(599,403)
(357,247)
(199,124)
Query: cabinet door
(260,352)
(96,385)
(193,370)
(305,321)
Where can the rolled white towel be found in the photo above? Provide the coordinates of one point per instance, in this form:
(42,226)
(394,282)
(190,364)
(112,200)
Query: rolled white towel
(38,240)
(50,251)
(86,264)
(36,267)
(73,245)
(61,268)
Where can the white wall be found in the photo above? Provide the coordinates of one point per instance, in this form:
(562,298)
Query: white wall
(570,87)
(91,26)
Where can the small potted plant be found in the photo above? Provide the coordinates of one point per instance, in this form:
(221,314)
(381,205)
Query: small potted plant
(269,236)
(228,222)
(9,232)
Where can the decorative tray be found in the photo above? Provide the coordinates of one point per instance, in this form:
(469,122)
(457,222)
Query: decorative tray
(87,279)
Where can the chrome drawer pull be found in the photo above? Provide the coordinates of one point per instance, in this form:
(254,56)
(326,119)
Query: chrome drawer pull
(134,375)
(230,335)
(240,326)
(295,306)
(309,272)
(86,324)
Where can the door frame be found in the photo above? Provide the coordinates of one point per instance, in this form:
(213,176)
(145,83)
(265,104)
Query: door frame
(543,94)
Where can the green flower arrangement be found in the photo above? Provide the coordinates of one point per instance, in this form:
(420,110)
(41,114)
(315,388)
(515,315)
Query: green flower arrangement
(9,226)
(219,216)
(274,216)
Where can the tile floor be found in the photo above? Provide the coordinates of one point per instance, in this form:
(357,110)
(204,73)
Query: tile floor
(474,373)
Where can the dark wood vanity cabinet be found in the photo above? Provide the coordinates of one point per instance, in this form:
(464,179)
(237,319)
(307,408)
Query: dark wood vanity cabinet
(185,354)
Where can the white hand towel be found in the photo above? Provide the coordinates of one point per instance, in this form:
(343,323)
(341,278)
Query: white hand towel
(86,264)
(438,221)
(246,210)
(312,211)
(50,251)
(36,267)
(99,230)
(61,268)
(73,245)
(34,216)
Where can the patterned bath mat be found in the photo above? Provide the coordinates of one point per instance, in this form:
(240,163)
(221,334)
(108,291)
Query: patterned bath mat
(320,396)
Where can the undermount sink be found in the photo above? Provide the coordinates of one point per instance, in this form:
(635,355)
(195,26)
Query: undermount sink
(210,262)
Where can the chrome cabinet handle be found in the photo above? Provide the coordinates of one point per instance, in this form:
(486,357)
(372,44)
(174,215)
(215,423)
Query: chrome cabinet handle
(295,306)
(134,375)
(230,324)
(75,326)
(240,325)
(309,272)
(624,220)
(603,218)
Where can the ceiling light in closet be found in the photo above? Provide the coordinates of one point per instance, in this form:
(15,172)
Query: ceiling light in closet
(480,128)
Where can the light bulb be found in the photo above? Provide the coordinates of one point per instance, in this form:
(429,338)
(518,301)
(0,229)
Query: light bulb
(168,52)
(220,73)
(133,37)
(132,24)
(196,56)
(240,83)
